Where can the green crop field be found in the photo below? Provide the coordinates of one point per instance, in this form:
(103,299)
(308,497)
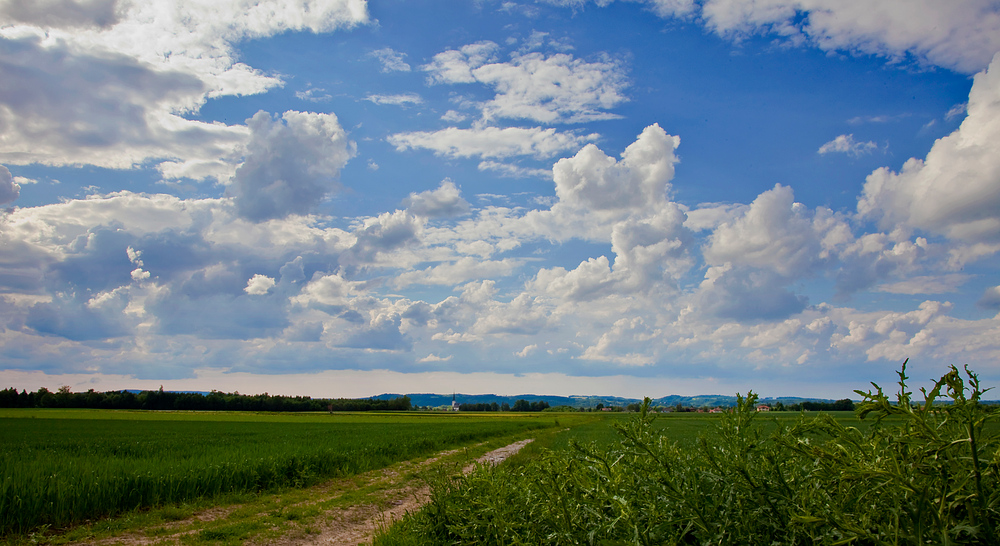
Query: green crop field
(598,429)
(59,467)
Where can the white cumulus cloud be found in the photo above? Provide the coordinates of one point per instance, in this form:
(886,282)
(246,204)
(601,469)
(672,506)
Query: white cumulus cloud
(259,285)
(955,189)
(531,86)
(445,201)
(292,163)
(847,145)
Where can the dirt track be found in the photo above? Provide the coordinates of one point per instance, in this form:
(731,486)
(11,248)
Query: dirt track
(357,525)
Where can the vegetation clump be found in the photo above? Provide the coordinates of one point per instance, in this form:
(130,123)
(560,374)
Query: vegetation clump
(910,473)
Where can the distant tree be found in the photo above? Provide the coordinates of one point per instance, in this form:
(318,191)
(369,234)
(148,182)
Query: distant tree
(840,405)
(44,398)
(599,406)
(843,405)
(505,407)
(521,405)
(9,398)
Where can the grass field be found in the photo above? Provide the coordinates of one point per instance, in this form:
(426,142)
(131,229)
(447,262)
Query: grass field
(59,467)
(685,428)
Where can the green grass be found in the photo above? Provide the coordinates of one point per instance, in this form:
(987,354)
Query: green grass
(60,467)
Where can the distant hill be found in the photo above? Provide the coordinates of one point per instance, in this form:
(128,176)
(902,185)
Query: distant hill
(709,400)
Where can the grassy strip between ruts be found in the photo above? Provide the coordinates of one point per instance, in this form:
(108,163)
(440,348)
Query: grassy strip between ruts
(59,468)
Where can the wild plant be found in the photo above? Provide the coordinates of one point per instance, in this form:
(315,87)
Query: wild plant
(924,473)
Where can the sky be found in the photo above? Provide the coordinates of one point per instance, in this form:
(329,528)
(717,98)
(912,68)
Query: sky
(340,198)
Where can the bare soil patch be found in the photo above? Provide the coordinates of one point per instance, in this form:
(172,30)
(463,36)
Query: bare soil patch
(357,525)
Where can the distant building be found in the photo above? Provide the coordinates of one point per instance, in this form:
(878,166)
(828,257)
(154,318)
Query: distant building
(763,407)
(716,410)
(454,403)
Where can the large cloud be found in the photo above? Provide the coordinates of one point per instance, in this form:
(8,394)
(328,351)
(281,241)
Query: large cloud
(292,163)
(112,89)
(595,190)
(592,180)
(955,190)
(779,234)
(118,122)
(962,35)
(625,202)
(445,201)
(757,255)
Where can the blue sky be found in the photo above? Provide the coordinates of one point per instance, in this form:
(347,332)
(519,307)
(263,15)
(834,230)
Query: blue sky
(343,198)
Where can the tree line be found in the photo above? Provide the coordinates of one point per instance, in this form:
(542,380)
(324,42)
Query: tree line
(520,405)
(214,401)
(838,405)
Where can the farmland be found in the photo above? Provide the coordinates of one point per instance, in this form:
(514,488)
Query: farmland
(60,467)
(910,472)
(66,466)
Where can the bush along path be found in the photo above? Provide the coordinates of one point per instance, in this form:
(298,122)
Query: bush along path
(911,472)
(339,512)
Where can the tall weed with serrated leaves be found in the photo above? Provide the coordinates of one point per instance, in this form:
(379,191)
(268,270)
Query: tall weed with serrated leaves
(925,473)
